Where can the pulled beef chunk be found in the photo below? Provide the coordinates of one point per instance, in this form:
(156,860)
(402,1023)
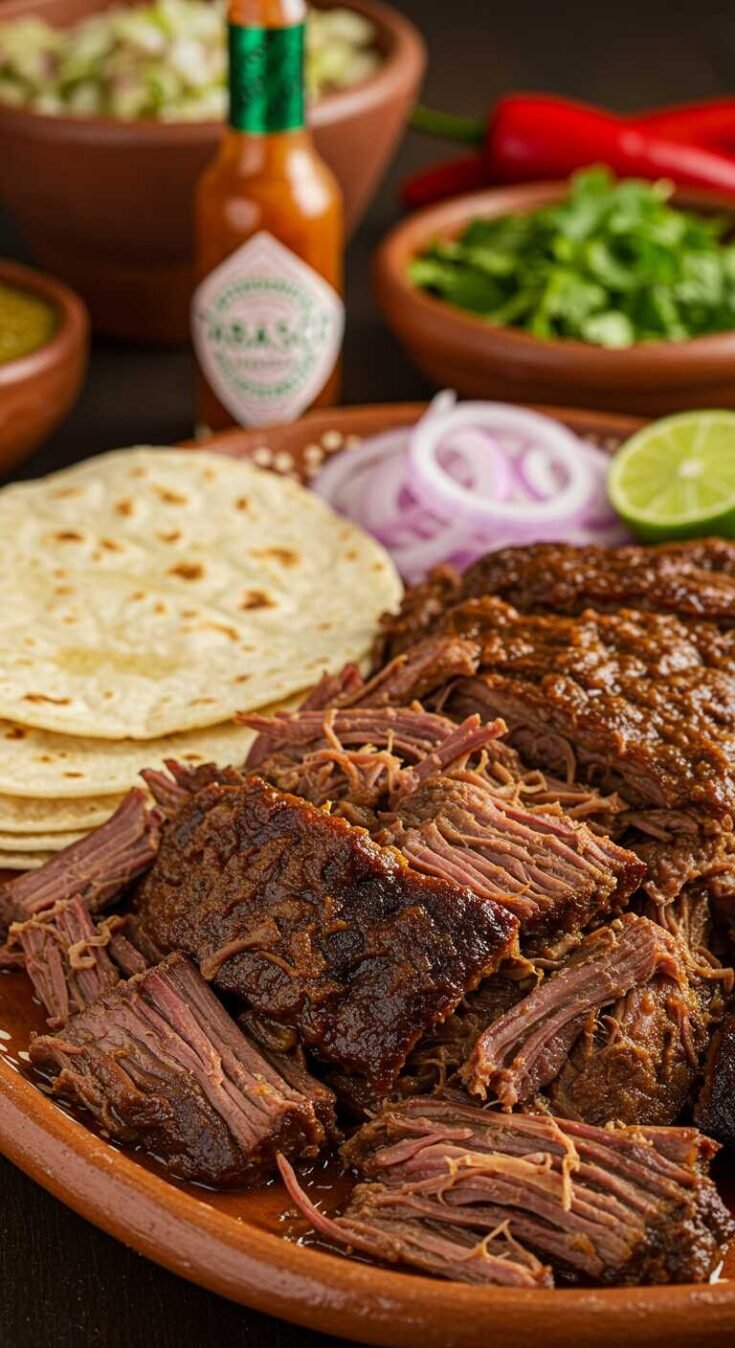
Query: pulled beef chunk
(361,759)
(377,1224)
(71,960)
(443,1051)
(97,868)
(714,1112)
(161,1065)
(413,674)
(692,580)
(423,607)
(316,927)
(171,788)
(550,871)
(607,1205)
(624,701)
(676,861)
(527,1047)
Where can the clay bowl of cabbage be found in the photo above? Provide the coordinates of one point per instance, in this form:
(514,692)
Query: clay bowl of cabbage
(459,350)
(40,386)
(107,204)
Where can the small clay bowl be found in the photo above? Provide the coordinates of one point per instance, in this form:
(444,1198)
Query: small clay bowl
(108,205)
(458,350)
(38,390)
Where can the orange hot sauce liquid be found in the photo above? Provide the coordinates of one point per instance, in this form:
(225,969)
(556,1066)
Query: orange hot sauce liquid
(273,181)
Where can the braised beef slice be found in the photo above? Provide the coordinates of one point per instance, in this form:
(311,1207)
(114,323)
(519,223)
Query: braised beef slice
(692,580)
(630,701)
(552,872)
(316,927)
(98,868)
(607,1205)
(715,1109)
(377,1224)
(161,1065)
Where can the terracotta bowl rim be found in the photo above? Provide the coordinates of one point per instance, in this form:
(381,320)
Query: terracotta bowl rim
(72,332)
(568,354)
(404,62)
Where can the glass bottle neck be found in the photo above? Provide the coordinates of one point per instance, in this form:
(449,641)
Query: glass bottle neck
(266,65)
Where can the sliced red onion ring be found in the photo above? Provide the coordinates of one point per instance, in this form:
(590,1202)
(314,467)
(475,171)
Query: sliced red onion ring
(441,492)
(470,479)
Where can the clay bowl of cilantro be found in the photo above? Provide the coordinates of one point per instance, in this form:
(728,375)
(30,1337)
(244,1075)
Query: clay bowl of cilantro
(591,293)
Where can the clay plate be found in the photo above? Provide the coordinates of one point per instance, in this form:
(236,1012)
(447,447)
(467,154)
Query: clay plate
(244,1246)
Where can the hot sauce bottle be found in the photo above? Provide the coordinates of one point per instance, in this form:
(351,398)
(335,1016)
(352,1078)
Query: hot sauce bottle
(267,314)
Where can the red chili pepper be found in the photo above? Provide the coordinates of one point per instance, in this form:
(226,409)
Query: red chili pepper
(444,180)
(711,123)
(541,137)
(529,136)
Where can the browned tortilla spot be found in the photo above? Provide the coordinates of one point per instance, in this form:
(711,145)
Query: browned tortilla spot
(286,556)
(241,678)
(170,497)
(172,536)
(42,697)
(68,536)
(187,570)
(125,506)
(242,503)
(16,732)
(256,599)
(110,545)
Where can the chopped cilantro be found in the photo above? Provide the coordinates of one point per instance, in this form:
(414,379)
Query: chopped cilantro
(614,263)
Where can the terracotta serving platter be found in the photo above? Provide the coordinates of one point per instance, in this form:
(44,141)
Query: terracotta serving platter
(251,1247)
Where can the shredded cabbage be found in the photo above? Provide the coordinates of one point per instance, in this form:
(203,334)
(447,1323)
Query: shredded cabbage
(165,61)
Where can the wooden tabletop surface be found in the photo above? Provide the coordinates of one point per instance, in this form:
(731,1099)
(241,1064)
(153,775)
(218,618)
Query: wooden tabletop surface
(62,1283)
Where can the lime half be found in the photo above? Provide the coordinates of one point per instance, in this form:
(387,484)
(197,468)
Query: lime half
(676,477)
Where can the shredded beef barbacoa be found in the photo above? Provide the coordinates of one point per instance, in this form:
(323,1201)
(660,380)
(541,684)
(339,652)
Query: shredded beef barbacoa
(485,896)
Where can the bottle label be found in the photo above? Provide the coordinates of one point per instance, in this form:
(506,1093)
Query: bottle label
(267,332)
(266,78)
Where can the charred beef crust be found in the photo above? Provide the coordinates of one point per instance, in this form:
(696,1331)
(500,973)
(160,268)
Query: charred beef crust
(693,580)
(611,1206)
(715,1109)
(316,927)
(160,1064)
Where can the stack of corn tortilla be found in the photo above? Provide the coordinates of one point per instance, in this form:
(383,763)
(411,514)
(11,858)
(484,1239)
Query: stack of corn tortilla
(149,595)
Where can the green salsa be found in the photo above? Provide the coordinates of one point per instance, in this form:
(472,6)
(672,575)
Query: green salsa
(26,323)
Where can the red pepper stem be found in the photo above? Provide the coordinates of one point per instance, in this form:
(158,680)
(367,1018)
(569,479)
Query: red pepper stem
(468,129)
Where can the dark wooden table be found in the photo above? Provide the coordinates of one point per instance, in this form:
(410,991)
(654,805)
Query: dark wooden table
(62,1283)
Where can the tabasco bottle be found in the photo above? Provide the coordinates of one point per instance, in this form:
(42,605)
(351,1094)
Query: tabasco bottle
(267,314)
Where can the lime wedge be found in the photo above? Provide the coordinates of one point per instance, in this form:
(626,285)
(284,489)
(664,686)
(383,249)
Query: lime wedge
(676,477)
